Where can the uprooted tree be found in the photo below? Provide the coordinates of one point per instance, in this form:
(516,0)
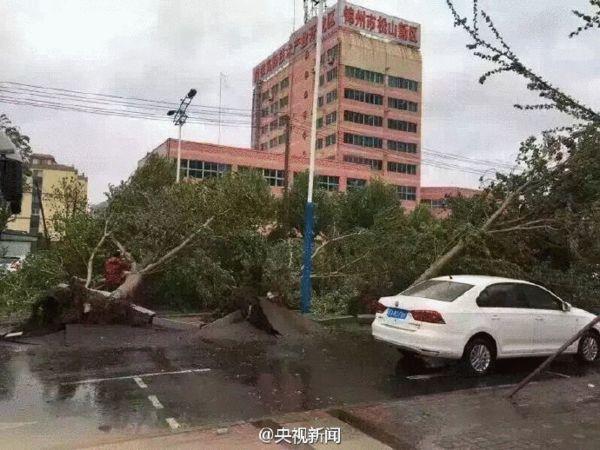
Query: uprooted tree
(151,220)
(529,199)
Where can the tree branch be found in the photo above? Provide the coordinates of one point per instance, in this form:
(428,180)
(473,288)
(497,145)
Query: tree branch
(126,254)
(90,263)
(339,238)
(154,265)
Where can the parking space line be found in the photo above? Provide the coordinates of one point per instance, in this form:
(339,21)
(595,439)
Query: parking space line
(173,423)
(155,402)
(558,374)
(140,382)
(427,376)
(127,377)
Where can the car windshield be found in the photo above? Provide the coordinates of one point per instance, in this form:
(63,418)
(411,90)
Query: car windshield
(446,291)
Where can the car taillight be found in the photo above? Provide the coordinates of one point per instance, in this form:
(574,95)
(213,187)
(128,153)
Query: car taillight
(427,316)
(379,308)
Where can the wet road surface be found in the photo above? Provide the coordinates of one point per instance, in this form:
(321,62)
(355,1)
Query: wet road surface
(110,384)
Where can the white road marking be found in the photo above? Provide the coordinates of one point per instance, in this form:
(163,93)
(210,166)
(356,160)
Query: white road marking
(140,382)
(427,376)
(558,374)
(173,423)
(154,400)
(127,377)
(13,425)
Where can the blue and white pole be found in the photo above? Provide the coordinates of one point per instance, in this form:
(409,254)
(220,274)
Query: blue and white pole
(309,216)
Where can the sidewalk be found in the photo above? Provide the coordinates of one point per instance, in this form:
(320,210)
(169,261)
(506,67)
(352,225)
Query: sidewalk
(561,414)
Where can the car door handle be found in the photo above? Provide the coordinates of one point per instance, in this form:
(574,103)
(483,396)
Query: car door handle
(495,317)
(539,319)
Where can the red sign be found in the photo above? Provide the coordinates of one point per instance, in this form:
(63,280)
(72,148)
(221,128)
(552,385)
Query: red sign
(380,24)
(348,15)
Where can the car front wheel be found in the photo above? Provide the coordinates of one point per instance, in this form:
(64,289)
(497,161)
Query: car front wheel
(479,357)
(589,348)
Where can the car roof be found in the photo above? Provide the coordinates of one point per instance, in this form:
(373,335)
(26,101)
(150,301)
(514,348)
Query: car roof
(479,280)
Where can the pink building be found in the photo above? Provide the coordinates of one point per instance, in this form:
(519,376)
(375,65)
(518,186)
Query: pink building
(369,108)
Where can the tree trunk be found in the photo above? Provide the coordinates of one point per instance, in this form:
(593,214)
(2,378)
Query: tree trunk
(436,267)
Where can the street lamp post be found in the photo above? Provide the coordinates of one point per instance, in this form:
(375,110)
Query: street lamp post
(306,282)
(179,118)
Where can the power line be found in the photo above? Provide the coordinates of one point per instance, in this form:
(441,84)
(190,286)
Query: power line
(146,109)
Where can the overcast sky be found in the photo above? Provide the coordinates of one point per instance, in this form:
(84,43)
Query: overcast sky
(158,49)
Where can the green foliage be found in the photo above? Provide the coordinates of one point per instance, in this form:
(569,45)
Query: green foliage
(18,290)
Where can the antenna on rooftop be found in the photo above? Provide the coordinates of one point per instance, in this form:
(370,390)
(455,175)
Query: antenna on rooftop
(310,8)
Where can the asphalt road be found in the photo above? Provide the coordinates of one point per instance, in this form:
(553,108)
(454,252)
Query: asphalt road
(107,382)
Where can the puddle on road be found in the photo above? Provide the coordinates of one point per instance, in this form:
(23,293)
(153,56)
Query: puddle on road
(247,381)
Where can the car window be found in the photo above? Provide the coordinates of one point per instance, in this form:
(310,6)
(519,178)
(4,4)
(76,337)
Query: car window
(446,291)
(501,295)
(538,298)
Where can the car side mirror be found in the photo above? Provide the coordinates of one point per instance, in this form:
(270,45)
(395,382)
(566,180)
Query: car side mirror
(566,307)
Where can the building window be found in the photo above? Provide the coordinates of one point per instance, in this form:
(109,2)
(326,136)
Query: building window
(404,147)
(263,146)
(330,140)
(264,112)
(319,144)
(273,125)
(273,143)
(284,83)
(403,83)
(361,96)
(332,74)
(402,125)
(203,169)
(375,164)
(439,203)
(281,139)
(404,105)
(306,74)
(264,96)
(274,108)
(363,119)
(328,183)
(410,169)
(320,101)
(363,141)
(321,80)
(331,96)
(282,121)
(366,75)
(331,118)
(319,122)
(407,192)
(273,177)
(353,184)
(264,129)
(274,90)
(283,102)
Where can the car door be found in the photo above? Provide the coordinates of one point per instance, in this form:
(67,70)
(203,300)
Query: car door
(508,318)
(553,326)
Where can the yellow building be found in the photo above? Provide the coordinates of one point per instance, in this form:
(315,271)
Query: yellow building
(38,206)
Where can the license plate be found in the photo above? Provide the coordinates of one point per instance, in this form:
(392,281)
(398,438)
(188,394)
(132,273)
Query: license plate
(395,313)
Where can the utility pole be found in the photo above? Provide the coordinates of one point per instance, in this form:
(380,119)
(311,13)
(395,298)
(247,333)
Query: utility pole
(306,282)
(179,118)
(286,170)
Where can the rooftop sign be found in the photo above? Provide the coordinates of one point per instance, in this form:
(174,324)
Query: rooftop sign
(348,16)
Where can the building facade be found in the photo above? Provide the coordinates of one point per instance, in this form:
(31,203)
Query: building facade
(37,206)
(369,109)
(369,103)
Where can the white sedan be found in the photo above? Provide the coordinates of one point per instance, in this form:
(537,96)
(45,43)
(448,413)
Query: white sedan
(478,319)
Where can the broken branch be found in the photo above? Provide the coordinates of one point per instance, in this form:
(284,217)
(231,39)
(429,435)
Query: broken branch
(90,263)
